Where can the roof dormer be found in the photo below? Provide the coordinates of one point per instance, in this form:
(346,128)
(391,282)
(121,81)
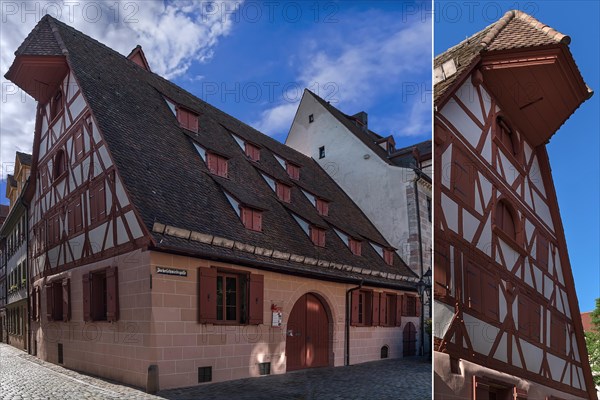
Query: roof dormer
(138,57)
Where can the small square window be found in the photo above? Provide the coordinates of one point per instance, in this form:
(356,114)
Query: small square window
(321,152)
(311,118)
(217,164)
(252,219)
(204,374)
(293,170)
(284,192)
(252,152)
(322,207)
(355,247)
(317,235)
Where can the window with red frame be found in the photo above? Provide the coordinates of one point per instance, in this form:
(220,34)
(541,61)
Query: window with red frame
(355,247)
(322,207)
(56,105)
(462,177)
(541,253)
(216,164)
(506,135)
(187,119)
(252,152)
(293,170)
(251,218)
(284,192)
(388,256)
(97,202)
(504,219)
(74,213)
(60,164)
(317,235)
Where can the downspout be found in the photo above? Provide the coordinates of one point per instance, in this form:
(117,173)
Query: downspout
(347,332)
(415,183)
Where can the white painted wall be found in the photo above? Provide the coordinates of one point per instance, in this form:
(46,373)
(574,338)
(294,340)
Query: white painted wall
(376,187)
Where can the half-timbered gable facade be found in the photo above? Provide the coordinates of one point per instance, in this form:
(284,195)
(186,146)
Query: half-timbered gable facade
(506,312)
(173,244)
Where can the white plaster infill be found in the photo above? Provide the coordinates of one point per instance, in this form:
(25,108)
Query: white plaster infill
(271,253)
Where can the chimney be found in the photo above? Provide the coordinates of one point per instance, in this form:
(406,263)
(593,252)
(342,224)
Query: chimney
(362,120)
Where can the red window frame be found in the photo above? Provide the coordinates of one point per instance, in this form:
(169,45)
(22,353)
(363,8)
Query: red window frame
(388,256)
(317,235)
(56,105)
(558,333)
(75,216)
(355,246)
(251,218)
(97,201)
(252,151)
(322,207)
(541,253)
(284,192)
(78,144)
(462,177)
(293,170)
(59,165)
(217,164)
(187,119)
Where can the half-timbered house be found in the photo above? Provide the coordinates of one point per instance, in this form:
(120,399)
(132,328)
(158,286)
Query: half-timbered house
(507,322)
(13,239)
(172,244)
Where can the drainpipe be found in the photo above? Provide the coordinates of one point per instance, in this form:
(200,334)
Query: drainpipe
(348,315)
(415,183)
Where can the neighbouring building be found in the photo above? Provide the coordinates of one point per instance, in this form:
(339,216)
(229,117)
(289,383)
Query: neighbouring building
(507,320)
(172,244)
(13,240)
(391,186)
(3,327)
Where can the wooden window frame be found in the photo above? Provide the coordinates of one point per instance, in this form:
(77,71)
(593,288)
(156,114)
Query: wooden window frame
(283,191)
(362,307)
(251,218)
(529,311)
(441,268)
(101,295)
(57,106)
(249,296)
(502,132)
(355,246)
(388,256)
(75,215)
(542,250)
(293,170)
(59,166)
(252,151)
(97,201)
(187,119)
(217,164)
(322,206)
(558,324)
(516,241)
(408,309)
(317,235)
(79,144)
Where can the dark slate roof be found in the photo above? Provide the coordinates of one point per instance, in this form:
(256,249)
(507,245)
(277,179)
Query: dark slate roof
(24,158)
(41,41)
(514,30)
(169,183)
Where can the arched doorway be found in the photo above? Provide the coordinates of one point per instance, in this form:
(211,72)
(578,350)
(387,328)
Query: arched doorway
(307,334)
(409,338)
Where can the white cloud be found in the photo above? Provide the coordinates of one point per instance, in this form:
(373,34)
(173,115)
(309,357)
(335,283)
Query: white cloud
(363,65)
(173,35)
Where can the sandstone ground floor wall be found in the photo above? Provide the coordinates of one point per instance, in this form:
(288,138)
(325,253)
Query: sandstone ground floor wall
(17,324)
(159,329)
(449,385)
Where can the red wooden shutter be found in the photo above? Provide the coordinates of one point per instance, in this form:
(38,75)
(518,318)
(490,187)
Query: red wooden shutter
(256,299)
(252,152)
(101,201)
(70,218)
(541,253)
(222,167)
(284,192)
(93,203)
(461,178)
(66,300)
(473,287)
(112,294)
(376,305)
(355,247)
(388,256)
(417,306)
(193,123)
(354,308)
(398,310)
(211,162)
(491,299)
(405,305)
(78,144)
(207,306)
(87,309)
(536,320)
(78,215)
(257,220)
(292,170)
(558,333)
(383,311)
(322,207)
(33,304)
(441,269)
(49,303)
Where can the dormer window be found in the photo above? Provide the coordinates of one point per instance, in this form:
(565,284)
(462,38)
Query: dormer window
(187,119)
(284,192)
(59,165)
(216,164)
(293,170)
(355,246)
(322,207)
(252,152)
(317,235)
(388,256)
(251,218)
(56,105)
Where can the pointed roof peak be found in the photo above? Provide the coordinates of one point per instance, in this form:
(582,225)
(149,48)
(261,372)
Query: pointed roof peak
(137,56)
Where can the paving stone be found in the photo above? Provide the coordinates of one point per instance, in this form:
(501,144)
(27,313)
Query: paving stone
(26,377)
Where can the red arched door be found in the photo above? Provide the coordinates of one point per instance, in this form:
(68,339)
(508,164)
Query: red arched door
(410,340)
(307,334)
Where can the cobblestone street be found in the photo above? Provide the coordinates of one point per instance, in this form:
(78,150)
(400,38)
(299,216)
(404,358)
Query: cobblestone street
(25,377)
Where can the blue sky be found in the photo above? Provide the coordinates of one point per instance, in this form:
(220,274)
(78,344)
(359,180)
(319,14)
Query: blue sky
(575,149)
